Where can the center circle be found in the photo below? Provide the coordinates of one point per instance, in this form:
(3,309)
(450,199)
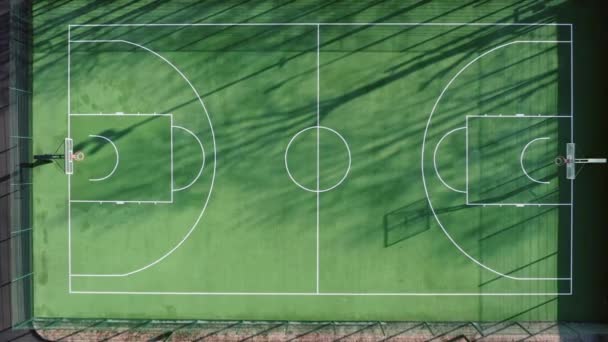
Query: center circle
(320,159)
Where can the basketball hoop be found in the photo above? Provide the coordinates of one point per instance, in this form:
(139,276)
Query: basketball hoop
(561,160)
(78,156)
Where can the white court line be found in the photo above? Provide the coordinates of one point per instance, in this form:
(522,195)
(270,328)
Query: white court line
(120,201)
(521,161)
(329,294)
(171,152)
(466,160)
(435,158)
(118,115)
(509,116)
(117,161)
(116,149)
(450,238)
(318,147)
(214,158)
(572,140)
(519,204)
(69,175)
(322,24)
(318,128)
(325,294)
(200,171)
(518,116)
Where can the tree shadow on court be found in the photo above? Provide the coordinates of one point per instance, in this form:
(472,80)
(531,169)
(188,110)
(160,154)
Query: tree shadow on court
(509,193)
(411,220)
(414,64)
(329,105)
(471,42)
(300,116)
(92,146)
(510,144)
(289,118)
(517,225)
(519,268)
(406,222)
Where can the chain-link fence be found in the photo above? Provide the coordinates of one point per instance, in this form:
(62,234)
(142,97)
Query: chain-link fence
(196,330)
(19,147)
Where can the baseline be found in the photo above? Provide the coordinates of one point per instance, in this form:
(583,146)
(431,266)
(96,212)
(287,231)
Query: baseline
(327,294)
(322,24)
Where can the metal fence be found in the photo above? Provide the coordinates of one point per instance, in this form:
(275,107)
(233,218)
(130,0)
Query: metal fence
(196,330)
(19,147)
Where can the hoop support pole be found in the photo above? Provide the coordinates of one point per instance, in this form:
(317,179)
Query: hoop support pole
(590,161)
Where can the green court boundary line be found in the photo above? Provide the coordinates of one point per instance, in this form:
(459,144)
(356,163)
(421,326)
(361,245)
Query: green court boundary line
(318,25)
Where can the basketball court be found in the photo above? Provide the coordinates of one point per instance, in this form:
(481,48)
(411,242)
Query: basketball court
(306,170)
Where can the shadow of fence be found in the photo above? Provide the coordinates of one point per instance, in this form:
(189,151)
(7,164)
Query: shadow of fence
(151,330)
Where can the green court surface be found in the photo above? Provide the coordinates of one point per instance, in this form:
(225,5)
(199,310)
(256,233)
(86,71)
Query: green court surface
(143,141)
(325,167)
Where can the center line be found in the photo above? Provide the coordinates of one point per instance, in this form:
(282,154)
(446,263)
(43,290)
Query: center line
(318,150)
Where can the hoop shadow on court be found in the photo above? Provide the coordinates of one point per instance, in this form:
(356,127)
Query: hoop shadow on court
(406,222)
